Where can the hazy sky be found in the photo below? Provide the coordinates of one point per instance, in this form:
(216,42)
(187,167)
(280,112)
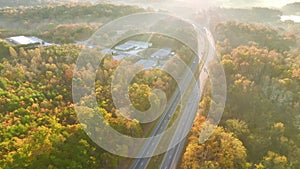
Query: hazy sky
(202,4)
(190,6)
(247,3)
(195,3)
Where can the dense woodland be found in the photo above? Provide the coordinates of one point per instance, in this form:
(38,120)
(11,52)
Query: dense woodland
(292,9)
(260,125)
(64,23)
(39,128)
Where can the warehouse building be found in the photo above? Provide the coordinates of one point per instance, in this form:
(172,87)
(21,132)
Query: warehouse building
(27,40)
(133,45)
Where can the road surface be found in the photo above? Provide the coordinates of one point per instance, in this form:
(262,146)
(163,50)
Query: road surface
(172,157)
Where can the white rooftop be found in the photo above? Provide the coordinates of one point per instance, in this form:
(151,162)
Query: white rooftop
(125,46)
(21,40)
(140,44)
(108,51)
(26,40)
(119,57)
(133,52)
(133,45)
(147,63)
(162,53)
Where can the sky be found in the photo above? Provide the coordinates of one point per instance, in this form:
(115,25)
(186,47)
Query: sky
(186,7)
(261,3)
(203,4)
(196,3)
(223,3)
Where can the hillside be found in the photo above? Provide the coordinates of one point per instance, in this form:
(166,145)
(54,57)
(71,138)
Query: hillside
(292,9)
(40,129)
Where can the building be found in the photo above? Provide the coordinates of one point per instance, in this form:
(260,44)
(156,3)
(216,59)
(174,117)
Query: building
(119,57)
(133,45)
(108,51)
(81,42)
(161,63)
(148,57)
(134,52)
(124,47)
(85,43)
(27,40)
(164,53)
(147,63)
(140,45)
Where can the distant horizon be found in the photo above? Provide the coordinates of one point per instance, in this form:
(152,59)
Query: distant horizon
(217,3)
(186,3)
(256,3)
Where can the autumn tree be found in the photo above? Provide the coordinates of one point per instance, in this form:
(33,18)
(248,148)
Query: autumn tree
(221,150)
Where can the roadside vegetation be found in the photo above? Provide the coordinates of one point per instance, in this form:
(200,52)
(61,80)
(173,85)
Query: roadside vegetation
(39,128)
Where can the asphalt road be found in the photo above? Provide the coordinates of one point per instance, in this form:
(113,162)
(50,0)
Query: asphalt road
(150,147)
(172,157)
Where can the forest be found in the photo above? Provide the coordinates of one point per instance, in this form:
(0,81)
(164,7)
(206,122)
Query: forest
(260,124)
(40,129)
(62,23)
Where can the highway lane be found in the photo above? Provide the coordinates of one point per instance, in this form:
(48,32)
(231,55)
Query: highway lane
(150,147)
(185,124)
(172,157)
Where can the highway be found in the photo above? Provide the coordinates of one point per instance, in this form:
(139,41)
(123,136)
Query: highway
(172,157)
(149,147)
